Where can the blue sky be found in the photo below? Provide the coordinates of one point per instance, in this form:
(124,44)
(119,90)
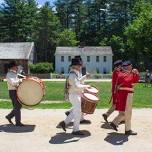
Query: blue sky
(40,2)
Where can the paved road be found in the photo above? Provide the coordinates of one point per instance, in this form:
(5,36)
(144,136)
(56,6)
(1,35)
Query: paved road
(41,134)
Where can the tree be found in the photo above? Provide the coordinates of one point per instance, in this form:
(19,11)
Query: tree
(17,20)
(67,38)
(139,33)
(48,27)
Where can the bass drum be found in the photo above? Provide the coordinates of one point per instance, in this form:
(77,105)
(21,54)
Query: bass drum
(31,91)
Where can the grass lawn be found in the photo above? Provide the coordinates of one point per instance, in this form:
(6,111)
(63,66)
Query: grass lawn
(54,92)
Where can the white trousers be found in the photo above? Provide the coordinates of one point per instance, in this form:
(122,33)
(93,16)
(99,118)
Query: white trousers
(82,114)
(75,114)
(125,115)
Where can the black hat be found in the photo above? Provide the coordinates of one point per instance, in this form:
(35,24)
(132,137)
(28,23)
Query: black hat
(76,61)
(117,63)
(12,64)
(126,63)
(78,57)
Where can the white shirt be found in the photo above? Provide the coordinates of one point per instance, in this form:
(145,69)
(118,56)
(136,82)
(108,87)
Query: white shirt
(12,80)
(75,82)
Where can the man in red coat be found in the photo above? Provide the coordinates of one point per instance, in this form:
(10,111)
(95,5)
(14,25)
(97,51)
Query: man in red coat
(124,96)
(117,69)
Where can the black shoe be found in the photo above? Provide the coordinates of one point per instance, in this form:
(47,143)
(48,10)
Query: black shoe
(105,117)
(113,126)
(9,120)
(122,122)
(78,133)
(84,121)
(130,132)
(62,125)
(67,113)
(20,124)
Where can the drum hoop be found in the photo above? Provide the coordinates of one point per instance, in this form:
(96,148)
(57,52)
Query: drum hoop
(95,88)
(29,105)
(33,104)
(94,101)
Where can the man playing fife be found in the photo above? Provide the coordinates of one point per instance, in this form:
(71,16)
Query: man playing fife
(125,89)
(117,69)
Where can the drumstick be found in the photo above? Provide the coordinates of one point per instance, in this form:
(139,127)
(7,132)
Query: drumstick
(23,76)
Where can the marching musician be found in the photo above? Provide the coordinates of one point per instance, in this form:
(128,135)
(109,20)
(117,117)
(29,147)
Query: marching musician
(74,92)
(125,89)
(81,78)
(116,71)
(12,82)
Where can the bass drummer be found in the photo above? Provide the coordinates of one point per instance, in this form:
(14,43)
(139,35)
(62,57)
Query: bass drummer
(12,82)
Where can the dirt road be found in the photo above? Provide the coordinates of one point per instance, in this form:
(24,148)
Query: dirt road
(41,134)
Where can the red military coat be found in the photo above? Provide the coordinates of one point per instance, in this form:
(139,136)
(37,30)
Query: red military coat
(114,81)
(125,80)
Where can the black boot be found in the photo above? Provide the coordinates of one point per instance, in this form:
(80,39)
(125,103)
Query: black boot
(9,120)
(130,132)
(62,125)
(113,126)
(105,117)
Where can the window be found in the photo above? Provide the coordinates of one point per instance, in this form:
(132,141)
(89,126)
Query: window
(69,58)
(62,58)
(104,70)
(88,58)
(105,59)
(62,70)
(97,58)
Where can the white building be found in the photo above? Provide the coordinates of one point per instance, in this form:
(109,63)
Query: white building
(95,59)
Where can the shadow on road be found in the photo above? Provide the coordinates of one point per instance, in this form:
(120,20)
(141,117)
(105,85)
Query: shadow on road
(14,129)
(64,138)
(116,138)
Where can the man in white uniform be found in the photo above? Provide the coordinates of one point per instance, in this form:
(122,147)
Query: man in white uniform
(12,82)
(81,79)
(74,92)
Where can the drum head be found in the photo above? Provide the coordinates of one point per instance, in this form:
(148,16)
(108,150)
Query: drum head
(92,90)
(91,97)
(30,92)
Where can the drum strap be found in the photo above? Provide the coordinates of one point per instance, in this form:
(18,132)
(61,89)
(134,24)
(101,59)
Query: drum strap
(67,85)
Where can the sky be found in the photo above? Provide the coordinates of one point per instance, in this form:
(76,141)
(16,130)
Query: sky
(40,2)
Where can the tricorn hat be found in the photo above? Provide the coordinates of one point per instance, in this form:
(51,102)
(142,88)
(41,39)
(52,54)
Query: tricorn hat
(126,63)
(117,63)
(12,64)
(76,61)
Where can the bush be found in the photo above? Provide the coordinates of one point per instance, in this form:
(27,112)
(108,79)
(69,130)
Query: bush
(41,68)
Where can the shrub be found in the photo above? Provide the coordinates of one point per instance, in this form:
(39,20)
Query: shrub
(41,67)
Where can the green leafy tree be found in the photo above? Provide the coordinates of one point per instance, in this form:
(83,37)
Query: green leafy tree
(67,38)
(17,20)
(139,33)
(48,27)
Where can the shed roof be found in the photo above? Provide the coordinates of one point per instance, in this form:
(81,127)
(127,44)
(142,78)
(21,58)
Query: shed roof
(20,50)
(104,50)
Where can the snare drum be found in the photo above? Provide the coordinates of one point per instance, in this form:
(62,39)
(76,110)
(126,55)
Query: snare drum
(30,91)
(91,90)
(88,103)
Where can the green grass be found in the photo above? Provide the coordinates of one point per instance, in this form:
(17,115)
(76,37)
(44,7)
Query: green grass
(54,92)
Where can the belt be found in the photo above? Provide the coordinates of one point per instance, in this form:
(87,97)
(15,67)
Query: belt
(126,89)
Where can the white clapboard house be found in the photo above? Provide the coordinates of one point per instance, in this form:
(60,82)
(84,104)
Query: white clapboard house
(95,59)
